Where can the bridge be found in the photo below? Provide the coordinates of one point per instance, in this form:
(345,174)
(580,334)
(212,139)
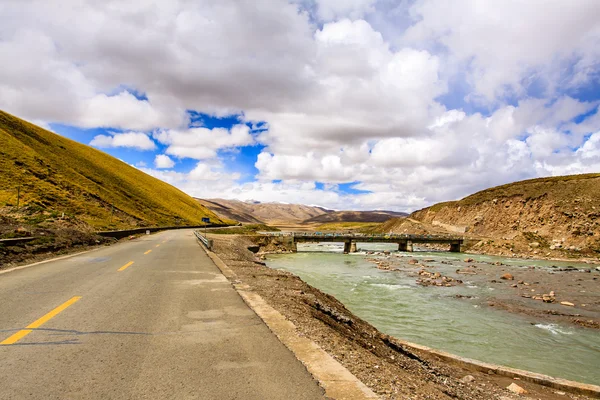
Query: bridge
(405,242)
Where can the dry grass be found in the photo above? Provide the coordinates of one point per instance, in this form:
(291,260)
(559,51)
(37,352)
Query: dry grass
(562,189)
(57,175)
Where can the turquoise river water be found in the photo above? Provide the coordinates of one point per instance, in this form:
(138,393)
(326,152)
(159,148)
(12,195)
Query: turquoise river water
(396,305)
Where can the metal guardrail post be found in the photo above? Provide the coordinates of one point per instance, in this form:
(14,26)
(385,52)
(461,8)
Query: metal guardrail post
(205,241)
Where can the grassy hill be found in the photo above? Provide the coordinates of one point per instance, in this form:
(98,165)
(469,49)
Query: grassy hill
(57,175)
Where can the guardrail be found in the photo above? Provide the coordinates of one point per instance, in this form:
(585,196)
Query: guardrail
(204,240)
(126,232)
(359,235)
(16,241)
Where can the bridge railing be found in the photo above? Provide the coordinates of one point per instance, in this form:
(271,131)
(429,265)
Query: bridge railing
(360,235)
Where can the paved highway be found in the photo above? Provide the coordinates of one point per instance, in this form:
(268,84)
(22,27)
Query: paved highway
(152,318)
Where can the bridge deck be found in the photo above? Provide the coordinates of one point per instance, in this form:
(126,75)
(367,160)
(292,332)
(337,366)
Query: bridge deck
(405,242)
(301,237)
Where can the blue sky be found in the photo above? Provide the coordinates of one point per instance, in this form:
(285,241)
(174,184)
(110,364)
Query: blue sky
(370,104)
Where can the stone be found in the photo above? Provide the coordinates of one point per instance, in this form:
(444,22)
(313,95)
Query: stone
(547,298)
(567,303)
(513,387)
(535,245)
(468,260)
(507,277)
(467,379)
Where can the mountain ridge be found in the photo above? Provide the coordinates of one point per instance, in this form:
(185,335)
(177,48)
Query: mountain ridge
(553,216)
(275,212)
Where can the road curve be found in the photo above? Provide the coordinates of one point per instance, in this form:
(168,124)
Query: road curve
(152,318)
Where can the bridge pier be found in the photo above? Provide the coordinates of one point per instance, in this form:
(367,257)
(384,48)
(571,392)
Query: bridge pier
(405,245)
(348,247)
(455,247)
(290,243)
(352,247)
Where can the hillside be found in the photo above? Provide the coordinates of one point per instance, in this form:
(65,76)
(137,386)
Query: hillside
(57,175)
(230,211)
(356,216)
(547,216)
(268,213)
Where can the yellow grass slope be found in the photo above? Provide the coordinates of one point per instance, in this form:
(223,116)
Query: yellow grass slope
(58,175)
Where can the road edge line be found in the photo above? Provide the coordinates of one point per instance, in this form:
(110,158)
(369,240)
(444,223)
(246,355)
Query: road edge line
(337,381)
(5,271)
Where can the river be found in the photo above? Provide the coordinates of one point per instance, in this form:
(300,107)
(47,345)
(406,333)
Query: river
(396,305)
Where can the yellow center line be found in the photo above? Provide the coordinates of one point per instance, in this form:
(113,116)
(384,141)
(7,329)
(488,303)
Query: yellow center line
(148,251)
(125,266)
(39,322)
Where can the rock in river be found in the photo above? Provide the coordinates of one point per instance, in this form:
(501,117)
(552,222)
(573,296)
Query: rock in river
(508,277)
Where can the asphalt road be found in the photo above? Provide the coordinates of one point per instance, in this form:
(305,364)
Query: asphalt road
(152,318)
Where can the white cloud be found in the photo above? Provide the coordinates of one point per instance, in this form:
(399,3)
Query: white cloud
(203,143)
(506,45)
(163,161)
(355,9)
(350,91)
(135,140)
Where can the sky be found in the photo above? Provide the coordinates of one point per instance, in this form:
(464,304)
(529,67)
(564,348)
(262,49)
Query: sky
(346,104)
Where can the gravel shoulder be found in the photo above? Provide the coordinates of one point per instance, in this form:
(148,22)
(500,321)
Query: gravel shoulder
(378,360)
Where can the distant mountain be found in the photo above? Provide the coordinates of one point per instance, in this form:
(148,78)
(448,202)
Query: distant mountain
(55,175)
(225,209)
(279,213)
(256,212)
(356,216)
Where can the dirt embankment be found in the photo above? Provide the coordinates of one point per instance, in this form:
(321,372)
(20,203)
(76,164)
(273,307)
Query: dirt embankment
(58,237)
(378,360)
(555,217)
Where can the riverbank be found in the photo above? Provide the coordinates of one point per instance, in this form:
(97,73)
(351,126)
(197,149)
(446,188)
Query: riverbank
(378,360)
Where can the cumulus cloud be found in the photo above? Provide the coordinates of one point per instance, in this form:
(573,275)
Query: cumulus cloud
(506,46)
(163,161)
(415,102)
(203,143)
(135,140)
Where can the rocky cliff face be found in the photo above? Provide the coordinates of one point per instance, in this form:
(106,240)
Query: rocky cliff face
(559,214)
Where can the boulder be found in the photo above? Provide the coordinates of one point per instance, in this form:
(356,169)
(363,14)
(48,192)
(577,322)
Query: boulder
(467,379)
(567,303)
(468,260)
(513,387)
(507,277)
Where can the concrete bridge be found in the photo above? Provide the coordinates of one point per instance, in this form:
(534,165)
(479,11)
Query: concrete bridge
(405,242)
